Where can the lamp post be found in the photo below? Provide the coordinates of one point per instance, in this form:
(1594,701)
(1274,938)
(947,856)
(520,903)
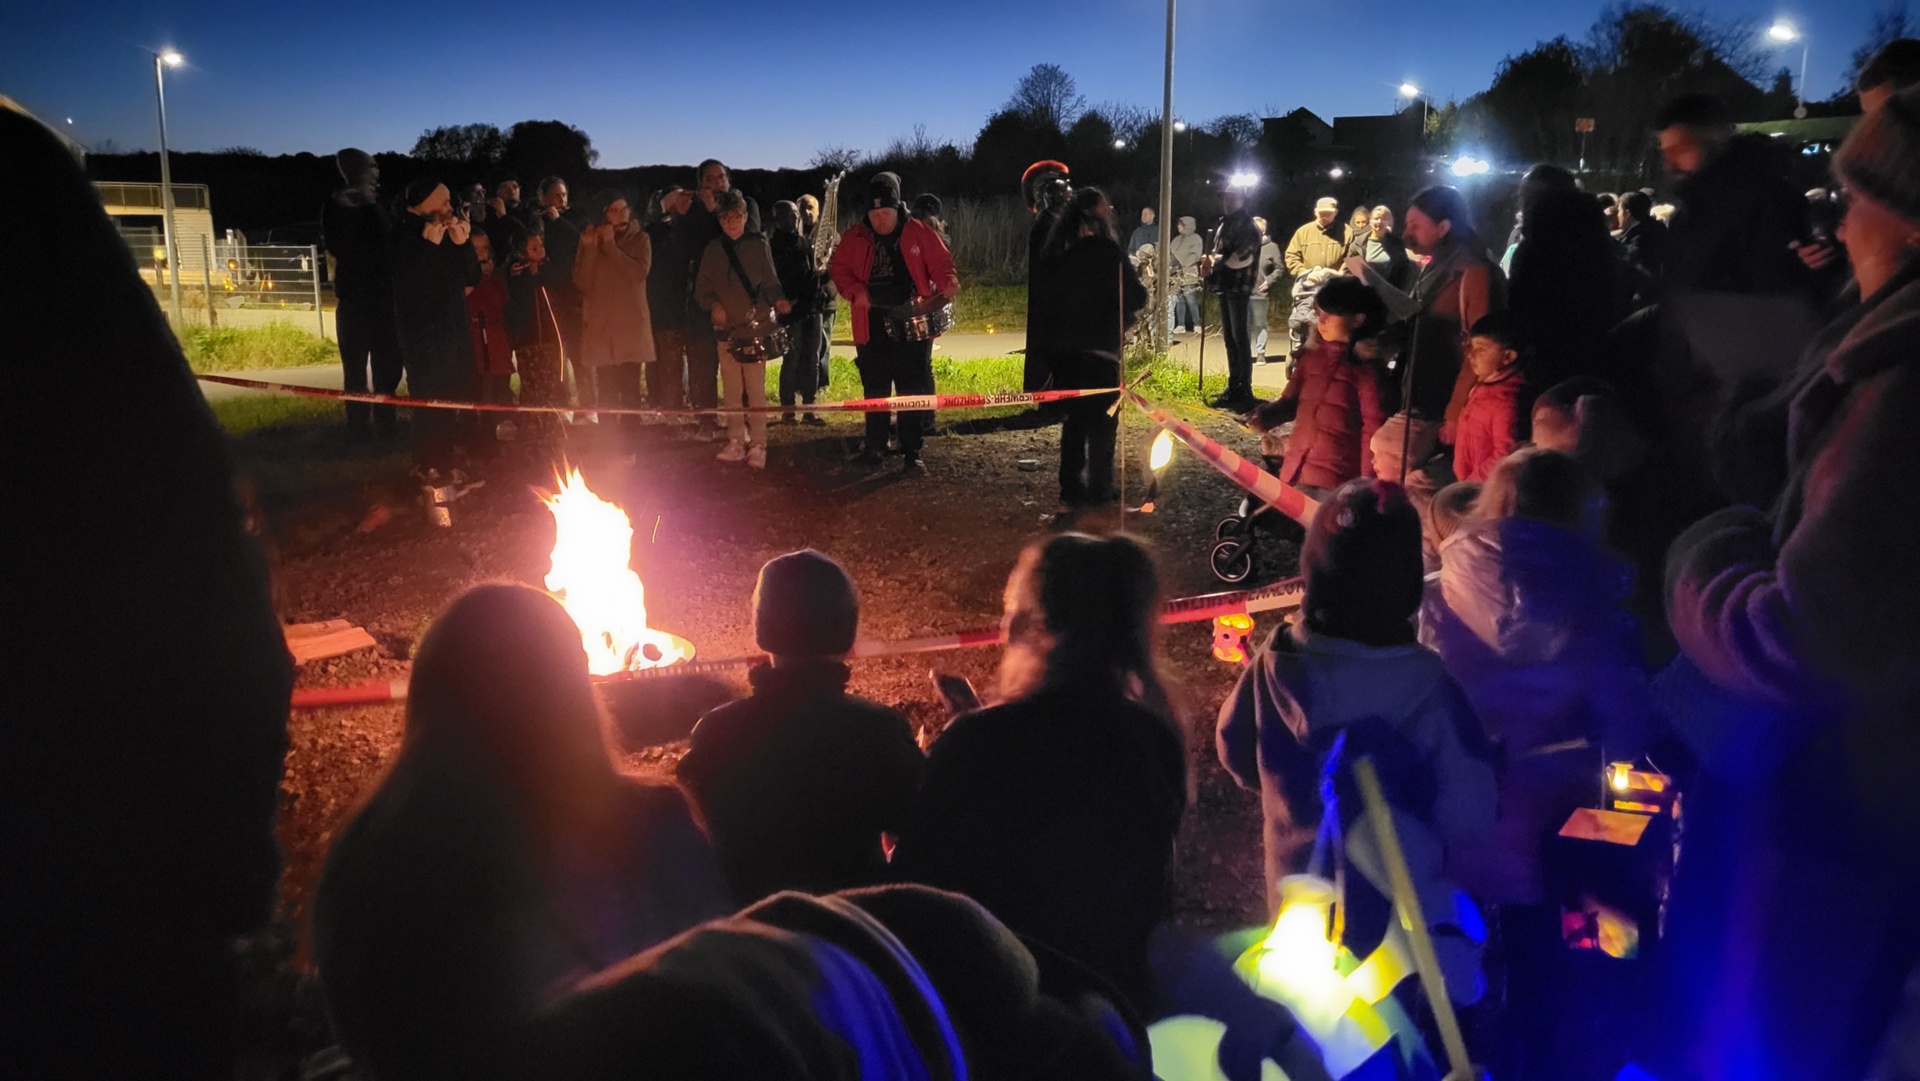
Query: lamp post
(1785,33)
(1163,256)
(161,62)
(1412,92)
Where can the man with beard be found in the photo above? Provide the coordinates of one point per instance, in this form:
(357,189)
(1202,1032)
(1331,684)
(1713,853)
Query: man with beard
(353,229)
(1229,268)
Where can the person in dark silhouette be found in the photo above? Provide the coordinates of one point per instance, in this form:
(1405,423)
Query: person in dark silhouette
(433,265)
(502,857)
(354,228)
(145,695)
(798,782)
(1057,808)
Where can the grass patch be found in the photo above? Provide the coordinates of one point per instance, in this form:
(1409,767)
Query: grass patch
(1168,382)
(253,412)
(978,309)
(236,349)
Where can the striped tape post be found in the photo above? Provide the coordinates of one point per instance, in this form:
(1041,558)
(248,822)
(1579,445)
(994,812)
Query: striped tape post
(1280,595)
(1261,484)
(903,403)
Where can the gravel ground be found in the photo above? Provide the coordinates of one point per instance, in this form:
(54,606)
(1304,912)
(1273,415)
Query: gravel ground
(930,555)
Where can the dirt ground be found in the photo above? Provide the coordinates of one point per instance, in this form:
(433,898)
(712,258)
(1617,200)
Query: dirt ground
(930,556)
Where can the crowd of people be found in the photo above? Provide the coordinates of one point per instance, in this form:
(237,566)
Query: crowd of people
(676,305)
(1686,540)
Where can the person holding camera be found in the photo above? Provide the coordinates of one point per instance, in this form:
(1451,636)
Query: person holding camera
(432,267)
(890,266)
(1229,270)
(616,334)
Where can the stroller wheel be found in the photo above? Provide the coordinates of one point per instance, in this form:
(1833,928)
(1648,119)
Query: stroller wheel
(1232,559)
(1229,527)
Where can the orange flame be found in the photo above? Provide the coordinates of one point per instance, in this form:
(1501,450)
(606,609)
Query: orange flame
(594,581)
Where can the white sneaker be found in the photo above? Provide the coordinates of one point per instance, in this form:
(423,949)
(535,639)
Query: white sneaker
(757,457)
(733,452)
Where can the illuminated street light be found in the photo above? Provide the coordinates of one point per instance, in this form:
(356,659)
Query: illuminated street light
(1408,90)
(1785,33)
(1467,165)
(1243,181)
(1119,144)
(161,62)
(1180,125)
(1336,172)
(1411,92)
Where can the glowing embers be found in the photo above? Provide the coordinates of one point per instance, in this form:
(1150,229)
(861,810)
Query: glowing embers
(593,579)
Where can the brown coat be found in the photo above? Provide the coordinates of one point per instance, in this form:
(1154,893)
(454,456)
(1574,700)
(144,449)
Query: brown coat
(616,327)
(1313,247)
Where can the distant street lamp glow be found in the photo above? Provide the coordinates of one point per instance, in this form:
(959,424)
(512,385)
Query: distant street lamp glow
(1783,32)
(1243,181)
(1465,165)
(172,59)
(1119,144)
(1336,172)
(1408,90)
(1180,125)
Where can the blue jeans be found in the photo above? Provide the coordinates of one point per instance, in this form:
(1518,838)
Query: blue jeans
(1186,308)
(1257,316)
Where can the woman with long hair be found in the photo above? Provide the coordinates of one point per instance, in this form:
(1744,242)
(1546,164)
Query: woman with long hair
(1097,293)
(502,856)
(1057,808)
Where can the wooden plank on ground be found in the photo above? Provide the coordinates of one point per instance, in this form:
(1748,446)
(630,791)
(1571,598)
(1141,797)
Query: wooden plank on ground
(331,638)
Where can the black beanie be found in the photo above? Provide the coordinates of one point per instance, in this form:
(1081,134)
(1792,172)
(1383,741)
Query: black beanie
(883,191)
(419,190)
(804,606)
(1363,565)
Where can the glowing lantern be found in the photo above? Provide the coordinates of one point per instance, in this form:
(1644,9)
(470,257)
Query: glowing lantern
(1162,452)
(593,580)
(1231,634)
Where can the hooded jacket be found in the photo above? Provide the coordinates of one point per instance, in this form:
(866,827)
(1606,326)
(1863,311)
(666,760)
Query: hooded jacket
(1304,689)
(928,261)
(749,308)
(1484,434)
(1333,397)
(1310,703)
(1528,619)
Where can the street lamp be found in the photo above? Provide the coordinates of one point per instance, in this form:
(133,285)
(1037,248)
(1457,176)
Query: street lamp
(1785,33)
(1163,237)
(161,62)
(1119,144)
(1412,92)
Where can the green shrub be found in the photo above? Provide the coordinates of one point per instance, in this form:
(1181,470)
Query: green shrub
(235,349)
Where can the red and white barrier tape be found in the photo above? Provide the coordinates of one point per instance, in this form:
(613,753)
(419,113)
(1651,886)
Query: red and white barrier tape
(1261,484)
(904,403)
(1280,595)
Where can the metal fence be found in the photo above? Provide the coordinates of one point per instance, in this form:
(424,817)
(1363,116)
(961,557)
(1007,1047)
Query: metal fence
(231,282)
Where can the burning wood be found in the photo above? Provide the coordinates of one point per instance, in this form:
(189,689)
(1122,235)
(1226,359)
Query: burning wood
(594,581)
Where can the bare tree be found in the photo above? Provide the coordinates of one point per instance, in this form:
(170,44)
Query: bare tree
(912,147)
(1129,122)
(1048,92)
(837,158)
(1242,128)
(473,144)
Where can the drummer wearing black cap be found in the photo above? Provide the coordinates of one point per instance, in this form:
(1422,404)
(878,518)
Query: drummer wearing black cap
(892,269)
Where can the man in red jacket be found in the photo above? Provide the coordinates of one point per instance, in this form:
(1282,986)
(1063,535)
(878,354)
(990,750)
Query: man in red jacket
(892,267)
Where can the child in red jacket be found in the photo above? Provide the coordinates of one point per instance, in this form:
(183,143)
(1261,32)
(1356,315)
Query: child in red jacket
(1488,428)
(487,323)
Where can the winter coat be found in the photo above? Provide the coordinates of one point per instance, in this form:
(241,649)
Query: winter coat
(1450,294)
(928,263)
(1528,619)
(354,231)
(1333,397)
(749,304)
(1306,694)
(1058,812)
(436,931)
(1313,246)
(797,783)
(1271,270)
(669,278)
(527,320)
(1142,236)
(1485,432)
(430,309)
(615,321)
(487,326)
(563,249)
(1097,293)
(1567,289)
(1644,243)
(1236,250)
(1187,248)
(694,232)
(139,786)
(1735,225)
(799,279)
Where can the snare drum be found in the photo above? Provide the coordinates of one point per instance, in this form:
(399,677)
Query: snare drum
(753,350)
(920,328)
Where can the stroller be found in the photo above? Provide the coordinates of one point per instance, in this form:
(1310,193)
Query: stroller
(1236,536)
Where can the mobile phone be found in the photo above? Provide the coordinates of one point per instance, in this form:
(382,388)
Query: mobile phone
(956,691)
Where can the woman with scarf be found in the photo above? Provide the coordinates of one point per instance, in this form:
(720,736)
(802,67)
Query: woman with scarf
(1458,285)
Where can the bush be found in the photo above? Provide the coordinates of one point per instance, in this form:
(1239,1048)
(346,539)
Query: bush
(276,345)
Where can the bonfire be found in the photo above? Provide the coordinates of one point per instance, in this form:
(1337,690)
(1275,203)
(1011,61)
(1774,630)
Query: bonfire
(593,577)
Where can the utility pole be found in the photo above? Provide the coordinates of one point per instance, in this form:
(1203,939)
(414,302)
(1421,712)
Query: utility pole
(1164,252)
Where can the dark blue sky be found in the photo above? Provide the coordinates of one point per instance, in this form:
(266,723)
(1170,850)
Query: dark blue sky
(759,82)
